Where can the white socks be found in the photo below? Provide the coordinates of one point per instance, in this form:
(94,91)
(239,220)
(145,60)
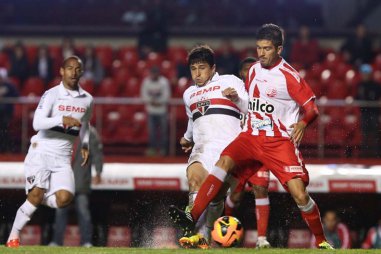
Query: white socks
(50,201)
(23,215)
(308,207)
(219,173)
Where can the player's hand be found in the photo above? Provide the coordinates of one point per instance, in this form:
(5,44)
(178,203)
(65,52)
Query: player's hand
(85,156)
(231,94)
(186,145)
(97,179)
(70,121)
(297,132)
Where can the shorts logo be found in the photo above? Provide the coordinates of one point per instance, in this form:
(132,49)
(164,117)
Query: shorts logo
(271,92)
(30,179)
(202,106)
(294,169)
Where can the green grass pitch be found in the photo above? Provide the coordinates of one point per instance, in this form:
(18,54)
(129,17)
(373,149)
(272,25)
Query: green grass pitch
(95,250)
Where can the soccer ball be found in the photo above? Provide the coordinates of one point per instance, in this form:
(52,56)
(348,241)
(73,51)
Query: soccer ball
(227,231)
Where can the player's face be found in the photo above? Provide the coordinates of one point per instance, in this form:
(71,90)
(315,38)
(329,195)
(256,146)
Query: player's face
(268,54)
(201,73)
(244,70)
(71,73)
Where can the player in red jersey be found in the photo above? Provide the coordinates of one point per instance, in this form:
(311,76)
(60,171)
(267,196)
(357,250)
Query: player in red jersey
(271,136)
(259,183)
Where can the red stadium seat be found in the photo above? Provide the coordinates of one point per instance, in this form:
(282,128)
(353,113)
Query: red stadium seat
(377,62)
(55,82)
(33,87)
(337,89)
(182,85)
(87,85)
(131,87)
(121,75)
(154,59)
(177,55)
(168,70)
(105,55)
(4,61)
(108,88)
(31,52)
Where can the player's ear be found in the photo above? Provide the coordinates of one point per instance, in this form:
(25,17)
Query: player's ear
(61,71)
(214,68)
(279,50)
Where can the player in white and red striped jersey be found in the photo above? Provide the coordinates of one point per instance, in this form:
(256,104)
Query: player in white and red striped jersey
(373,237)
(271,135)
(214,121)
(258,182)
(62,114)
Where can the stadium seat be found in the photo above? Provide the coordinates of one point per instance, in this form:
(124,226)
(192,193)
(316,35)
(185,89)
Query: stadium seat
(121,75)
(377,62)
(4,61)
(31,52)
(168,69)
(337,89)
(177,55)
(131,87)
(182,84)
(33,87)
(56,81)
(105,55)
(87,85)
(154,59)
(108,88)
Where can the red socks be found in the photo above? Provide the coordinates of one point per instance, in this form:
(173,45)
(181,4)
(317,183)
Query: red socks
(312,218)
(206,194)
(262,212)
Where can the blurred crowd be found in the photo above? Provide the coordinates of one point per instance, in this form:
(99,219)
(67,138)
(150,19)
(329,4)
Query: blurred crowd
(352,71)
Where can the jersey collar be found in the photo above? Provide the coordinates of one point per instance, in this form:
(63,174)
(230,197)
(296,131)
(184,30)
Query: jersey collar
(73,93)
(274,65)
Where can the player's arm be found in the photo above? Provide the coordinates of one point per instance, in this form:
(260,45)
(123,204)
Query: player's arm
(85,135)
(186,141)
(43,120)
(238,95)
(96,155)
(311,112)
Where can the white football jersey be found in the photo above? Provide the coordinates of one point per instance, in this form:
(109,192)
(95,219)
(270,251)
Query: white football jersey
(275,96)
(214,119)
(52,136)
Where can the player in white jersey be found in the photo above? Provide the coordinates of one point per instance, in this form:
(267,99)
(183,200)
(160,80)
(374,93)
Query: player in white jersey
(62,114)
(214,121)
(271,136)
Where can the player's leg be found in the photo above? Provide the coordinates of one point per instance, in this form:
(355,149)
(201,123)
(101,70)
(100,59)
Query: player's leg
(24,214)
(285,162)
(84,219)
(232,201)
(260,183)
(60,223)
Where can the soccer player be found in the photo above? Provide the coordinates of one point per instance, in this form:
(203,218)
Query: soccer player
(271,136)
(62,114)
(259,183)
(214,121)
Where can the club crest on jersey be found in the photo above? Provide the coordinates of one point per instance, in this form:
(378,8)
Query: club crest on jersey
(30,179)
(202,106)
(271,92)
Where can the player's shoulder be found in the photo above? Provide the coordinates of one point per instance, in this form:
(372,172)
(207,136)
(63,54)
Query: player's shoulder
(87,94)
(289,72)
(230,79)
(53,91)
(189,91)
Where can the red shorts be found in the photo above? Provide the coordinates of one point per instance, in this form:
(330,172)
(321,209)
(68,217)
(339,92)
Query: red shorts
(278,154)
(253,176)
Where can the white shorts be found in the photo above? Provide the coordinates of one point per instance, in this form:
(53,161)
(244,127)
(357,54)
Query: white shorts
(206,155)
(49,172)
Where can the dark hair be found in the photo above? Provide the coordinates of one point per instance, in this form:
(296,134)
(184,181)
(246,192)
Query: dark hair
(272,33)
(70,58)
(201,53)
(245,61)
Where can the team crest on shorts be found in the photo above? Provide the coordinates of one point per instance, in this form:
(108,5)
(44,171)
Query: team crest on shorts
(202,106)
(30,179)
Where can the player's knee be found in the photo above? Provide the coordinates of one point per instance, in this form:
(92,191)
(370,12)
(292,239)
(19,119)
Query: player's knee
(260,191)
(301,197)
(64,198)
(195,182)
(35,196)
(225,163)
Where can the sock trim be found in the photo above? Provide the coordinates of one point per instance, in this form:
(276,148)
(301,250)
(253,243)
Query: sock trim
(219,173)
(262,201)
(229,202)
(308,207)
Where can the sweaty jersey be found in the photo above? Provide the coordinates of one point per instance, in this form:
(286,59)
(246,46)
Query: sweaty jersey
(52,136)
(275,95)
(214,119)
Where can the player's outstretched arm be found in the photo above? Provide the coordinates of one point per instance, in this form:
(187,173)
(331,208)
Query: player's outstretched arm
(186,145)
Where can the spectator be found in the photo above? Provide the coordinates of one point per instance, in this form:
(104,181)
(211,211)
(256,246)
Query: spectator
(6,110)
(336,232)
(19,63)
(154,34)
(43,65)
(227,60)
(357,49)
(304,50)
(373,237)
(369,91)
(156,93)
(93,68)
(82,176)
